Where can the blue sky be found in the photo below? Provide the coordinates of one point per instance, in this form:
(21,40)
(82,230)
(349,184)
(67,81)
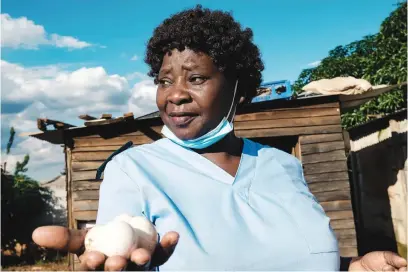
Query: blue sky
(96,41)
(290,33)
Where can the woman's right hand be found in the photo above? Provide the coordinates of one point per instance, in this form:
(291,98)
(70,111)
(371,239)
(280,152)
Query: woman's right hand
(72,240)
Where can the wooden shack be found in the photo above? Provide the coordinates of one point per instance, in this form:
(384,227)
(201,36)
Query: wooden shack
(309,128)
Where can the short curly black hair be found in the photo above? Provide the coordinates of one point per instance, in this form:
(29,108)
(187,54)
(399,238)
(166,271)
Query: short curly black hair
(214,33)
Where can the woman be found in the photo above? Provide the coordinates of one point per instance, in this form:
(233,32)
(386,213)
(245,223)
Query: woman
(227,203)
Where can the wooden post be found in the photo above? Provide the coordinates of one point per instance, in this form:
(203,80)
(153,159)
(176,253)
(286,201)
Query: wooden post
(296,150)
(68,162)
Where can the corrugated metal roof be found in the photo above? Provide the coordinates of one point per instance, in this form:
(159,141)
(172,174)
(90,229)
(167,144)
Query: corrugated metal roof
(149,116)
(377,131)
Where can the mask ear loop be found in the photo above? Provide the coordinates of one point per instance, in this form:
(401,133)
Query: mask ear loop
(233,106)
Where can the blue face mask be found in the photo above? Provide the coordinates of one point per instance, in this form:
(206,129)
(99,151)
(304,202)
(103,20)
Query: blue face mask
(211,137)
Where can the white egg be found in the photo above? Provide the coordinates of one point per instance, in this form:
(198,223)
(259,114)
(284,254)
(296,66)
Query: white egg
(145,231)
(122,235)
(91,236)
(117,238)
(143,228)
(123,217)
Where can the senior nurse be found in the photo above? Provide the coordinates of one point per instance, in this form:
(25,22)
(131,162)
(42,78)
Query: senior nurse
(218,202)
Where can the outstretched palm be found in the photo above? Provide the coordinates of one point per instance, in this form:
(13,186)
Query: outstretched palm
(71,240)
(379,261)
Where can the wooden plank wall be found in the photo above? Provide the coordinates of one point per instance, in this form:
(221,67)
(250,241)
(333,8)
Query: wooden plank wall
(321,148)
(322,153)
(325,168)
(88,154)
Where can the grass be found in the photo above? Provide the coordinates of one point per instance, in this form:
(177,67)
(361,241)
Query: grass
(39,266)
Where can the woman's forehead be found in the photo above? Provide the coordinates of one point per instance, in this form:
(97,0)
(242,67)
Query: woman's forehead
(186,57)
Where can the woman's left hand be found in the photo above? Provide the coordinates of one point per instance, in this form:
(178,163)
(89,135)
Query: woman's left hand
(379,261)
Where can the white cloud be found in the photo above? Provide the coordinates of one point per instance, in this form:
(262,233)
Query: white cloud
(21,32)
(314,63)
(24,33)
(43,155)
(134,58)
(68,41)
(91,88)
(57,93)
(143,100)
(11,161)
(137,75)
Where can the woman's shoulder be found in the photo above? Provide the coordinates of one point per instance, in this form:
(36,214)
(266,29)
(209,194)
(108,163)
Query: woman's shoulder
(269,152)
(272,156)
(125,161)
(136,151)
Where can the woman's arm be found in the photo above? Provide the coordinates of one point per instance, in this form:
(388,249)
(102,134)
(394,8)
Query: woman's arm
(118,194)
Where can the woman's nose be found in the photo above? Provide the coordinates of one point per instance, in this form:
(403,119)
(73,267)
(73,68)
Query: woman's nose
(179,94)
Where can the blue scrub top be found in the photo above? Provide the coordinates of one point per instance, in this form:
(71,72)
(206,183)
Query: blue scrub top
(264,218)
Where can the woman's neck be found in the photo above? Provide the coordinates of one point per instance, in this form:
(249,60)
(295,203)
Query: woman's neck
(226,154)
(229,145)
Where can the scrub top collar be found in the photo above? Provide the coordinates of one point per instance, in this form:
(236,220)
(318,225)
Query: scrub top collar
(208,168)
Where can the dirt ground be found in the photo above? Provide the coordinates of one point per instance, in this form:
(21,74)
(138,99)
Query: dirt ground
(40,267)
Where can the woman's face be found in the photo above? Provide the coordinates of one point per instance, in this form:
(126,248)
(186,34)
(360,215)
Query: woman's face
(193,95)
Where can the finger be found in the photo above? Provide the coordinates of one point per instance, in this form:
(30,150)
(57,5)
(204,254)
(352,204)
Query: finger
(140,259)
(165,248)
(140,256)
(394,259)
(60,238)
(403,269)
(115,263)
(81,266)
(92,260)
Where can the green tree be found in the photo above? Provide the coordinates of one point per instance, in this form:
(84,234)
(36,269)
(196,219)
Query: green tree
(9,144)
(11,139)
(21,167)
(380,58)
(25,205)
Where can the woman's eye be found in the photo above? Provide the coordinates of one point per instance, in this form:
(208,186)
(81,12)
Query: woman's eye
(164,82)
(197,80)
